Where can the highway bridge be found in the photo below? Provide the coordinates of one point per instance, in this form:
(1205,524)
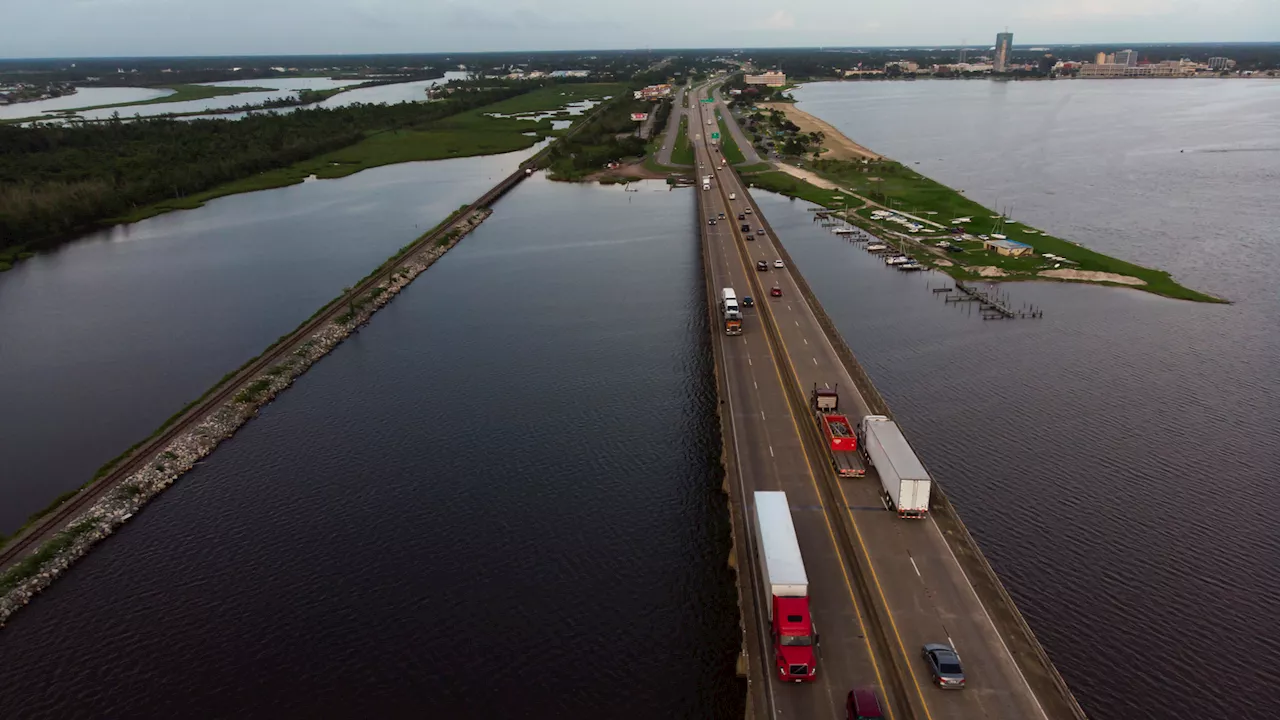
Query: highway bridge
(880,586)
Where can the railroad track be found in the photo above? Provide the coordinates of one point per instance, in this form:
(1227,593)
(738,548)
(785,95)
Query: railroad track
(50,524)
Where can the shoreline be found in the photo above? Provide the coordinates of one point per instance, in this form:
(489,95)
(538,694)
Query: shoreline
(115,503)
(1053,258)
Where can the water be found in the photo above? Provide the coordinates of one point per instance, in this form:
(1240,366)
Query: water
(498,499)
(107,336)
(85,97)
(1115,458)
(280,88)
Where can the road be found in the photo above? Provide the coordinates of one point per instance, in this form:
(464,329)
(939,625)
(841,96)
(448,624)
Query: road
(914,574)
(749,154)
(673,126)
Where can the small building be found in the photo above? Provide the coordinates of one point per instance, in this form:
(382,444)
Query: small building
(1011,248)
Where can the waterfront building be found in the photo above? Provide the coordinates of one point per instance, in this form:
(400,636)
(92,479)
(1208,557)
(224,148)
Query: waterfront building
(1012,248)
(1221,63)
(1128,58)
(1004,49)
(772,78)
(1100,59)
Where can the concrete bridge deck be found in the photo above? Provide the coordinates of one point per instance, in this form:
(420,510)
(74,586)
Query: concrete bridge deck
(880,586)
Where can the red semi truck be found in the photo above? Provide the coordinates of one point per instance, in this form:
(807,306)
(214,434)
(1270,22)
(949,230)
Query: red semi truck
(782,570)
(841,439)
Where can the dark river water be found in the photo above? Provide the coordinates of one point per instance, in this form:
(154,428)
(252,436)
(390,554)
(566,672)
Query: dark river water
(499,499)
(105,337)
(1117,458)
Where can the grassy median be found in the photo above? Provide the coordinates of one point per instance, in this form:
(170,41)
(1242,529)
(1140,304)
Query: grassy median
(728,145)
(682,152)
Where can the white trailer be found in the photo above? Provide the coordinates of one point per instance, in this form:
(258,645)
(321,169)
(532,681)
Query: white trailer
(781,566)
(903,479)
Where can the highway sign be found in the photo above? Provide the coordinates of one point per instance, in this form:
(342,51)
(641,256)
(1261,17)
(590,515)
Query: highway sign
(707,100)
(715,136)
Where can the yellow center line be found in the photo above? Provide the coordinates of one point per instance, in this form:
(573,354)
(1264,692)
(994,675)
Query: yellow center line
(861,544)
(735,234)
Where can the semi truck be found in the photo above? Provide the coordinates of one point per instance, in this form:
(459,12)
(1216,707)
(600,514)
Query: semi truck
(706,182)
(838,433)
(732,314)
(904,481)
(787,587)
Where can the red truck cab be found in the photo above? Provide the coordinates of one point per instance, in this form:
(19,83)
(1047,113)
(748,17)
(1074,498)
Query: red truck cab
(794,640)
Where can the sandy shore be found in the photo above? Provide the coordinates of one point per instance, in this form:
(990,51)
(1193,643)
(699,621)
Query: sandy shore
(1092,276)
(811,178)
(838,146)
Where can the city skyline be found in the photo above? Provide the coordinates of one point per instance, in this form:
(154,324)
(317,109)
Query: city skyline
(133,28)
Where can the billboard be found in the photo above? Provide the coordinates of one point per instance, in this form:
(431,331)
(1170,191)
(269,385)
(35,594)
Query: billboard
(639,117)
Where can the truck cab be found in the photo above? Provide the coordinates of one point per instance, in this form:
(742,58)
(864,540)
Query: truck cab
(794,640)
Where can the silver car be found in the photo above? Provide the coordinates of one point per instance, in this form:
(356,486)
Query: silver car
(944,663)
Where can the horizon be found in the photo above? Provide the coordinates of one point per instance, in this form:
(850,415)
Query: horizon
(733,49)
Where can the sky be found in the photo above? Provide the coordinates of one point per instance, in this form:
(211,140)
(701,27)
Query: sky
(89,28)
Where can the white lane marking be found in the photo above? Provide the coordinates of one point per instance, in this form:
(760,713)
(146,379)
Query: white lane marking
(761,414)
(771,451)
(952,643)
(748,361)
(753,382)
(788,306)
(917,567)
(828,385)
(806,340)
(797,321)
(815,360)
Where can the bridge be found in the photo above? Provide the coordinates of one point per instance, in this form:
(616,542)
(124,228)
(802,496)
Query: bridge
(880,586)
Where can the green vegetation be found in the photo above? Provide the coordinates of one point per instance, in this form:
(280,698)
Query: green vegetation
(253,391)
(894,186)
(31,564)
(682,151)
(609,135)
(555,97)
(728,145)
(754,168)
(181,93)
(784,184)
(56,180)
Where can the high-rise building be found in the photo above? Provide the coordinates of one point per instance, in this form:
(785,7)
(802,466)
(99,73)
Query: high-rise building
(1101,58)
(1128,58)
(1004,49)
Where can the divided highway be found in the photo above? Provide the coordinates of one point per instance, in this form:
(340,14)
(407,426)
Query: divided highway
(911,589)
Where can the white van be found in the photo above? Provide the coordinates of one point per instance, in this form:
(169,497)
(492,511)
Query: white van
(733,196)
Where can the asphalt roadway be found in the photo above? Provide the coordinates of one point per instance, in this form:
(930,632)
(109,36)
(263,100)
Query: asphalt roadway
(914,573)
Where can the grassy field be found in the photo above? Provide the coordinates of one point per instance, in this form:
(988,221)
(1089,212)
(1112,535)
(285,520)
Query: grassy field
(904,190)
(901,188)
(728,145)
(754,168)
(462,135)
(682,151)
(181,93)
(556,96)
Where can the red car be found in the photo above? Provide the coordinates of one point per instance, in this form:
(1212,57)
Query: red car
(776,291)
(861,704)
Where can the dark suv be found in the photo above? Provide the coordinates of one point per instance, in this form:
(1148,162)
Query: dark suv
(762,265)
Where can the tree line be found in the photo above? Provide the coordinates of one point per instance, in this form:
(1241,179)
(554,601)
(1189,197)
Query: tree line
(611,135)
(56,180)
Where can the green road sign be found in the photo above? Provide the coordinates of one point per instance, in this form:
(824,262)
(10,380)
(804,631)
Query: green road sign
(707,100)
(715,136)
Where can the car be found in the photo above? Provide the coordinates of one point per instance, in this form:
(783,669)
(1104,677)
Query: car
(721,215)
(711,221)
(742,216)
(862,704)
(778,264)
(762,265)
(775,291)
(944,663)
(746,229)
(747,301)
(747,211)
(760,231)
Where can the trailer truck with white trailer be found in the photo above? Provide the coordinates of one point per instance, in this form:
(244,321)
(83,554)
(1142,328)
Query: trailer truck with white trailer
(787,586)
(903,480)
